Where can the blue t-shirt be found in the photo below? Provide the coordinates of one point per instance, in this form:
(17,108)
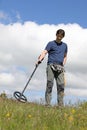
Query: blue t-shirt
(56,52)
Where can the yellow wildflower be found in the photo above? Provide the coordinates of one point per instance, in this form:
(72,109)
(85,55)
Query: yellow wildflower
(70,118)
(8,115)
(29,116)
(73,111)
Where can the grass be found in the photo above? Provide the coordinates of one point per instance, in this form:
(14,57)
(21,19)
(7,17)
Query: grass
(15,115)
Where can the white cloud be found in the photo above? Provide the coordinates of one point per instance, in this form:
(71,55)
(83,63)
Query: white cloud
(6,79)
(20,46)
(7,18)
(2,15)
(76,92)
(76,80)
(18,16)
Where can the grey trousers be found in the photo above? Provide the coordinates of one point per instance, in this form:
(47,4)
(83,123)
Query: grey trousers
(59,77)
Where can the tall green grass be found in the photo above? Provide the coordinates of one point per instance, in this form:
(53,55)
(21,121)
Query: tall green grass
(32,116)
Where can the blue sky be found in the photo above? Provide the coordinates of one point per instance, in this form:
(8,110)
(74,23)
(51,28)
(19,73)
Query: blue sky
(46,11)
(25,28)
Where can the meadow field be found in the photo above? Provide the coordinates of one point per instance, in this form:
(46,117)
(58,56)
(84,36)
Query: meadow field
(15,115)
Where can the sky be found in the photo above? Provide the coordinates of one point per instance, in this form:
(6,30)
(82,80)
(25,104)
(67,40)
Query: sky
(26,26)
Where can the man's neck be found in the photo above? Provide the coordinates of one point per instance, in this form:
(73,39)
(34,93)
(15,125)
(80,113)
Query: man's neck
(58,41)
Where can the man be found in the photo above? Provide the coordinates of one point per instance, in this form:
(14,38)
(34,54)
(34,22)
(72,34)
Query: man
(57,55)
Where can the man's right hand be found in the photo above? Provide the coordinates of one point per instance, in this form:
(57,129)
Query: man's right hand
(38,62)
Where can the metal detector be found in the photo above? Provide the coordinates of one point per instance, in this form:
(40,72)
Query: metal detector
(20,95)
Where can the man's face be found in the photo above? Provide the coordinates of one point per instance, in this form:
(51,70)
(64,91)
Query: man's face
(59,36)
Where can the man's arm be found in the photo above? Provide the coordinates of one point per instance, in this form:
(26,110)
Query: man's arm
(42,56)
(65,58)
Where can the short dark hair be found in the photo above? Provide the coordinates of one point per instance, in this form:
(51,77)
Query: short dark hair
(60,31)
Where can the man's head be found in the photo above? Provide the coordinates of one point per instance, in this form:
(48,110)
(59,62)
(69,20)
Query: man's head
(61,32)
(59,35)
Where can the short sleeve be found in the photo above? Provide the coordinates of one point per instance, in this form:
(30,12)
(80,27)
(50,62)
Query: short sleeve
(48,47)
